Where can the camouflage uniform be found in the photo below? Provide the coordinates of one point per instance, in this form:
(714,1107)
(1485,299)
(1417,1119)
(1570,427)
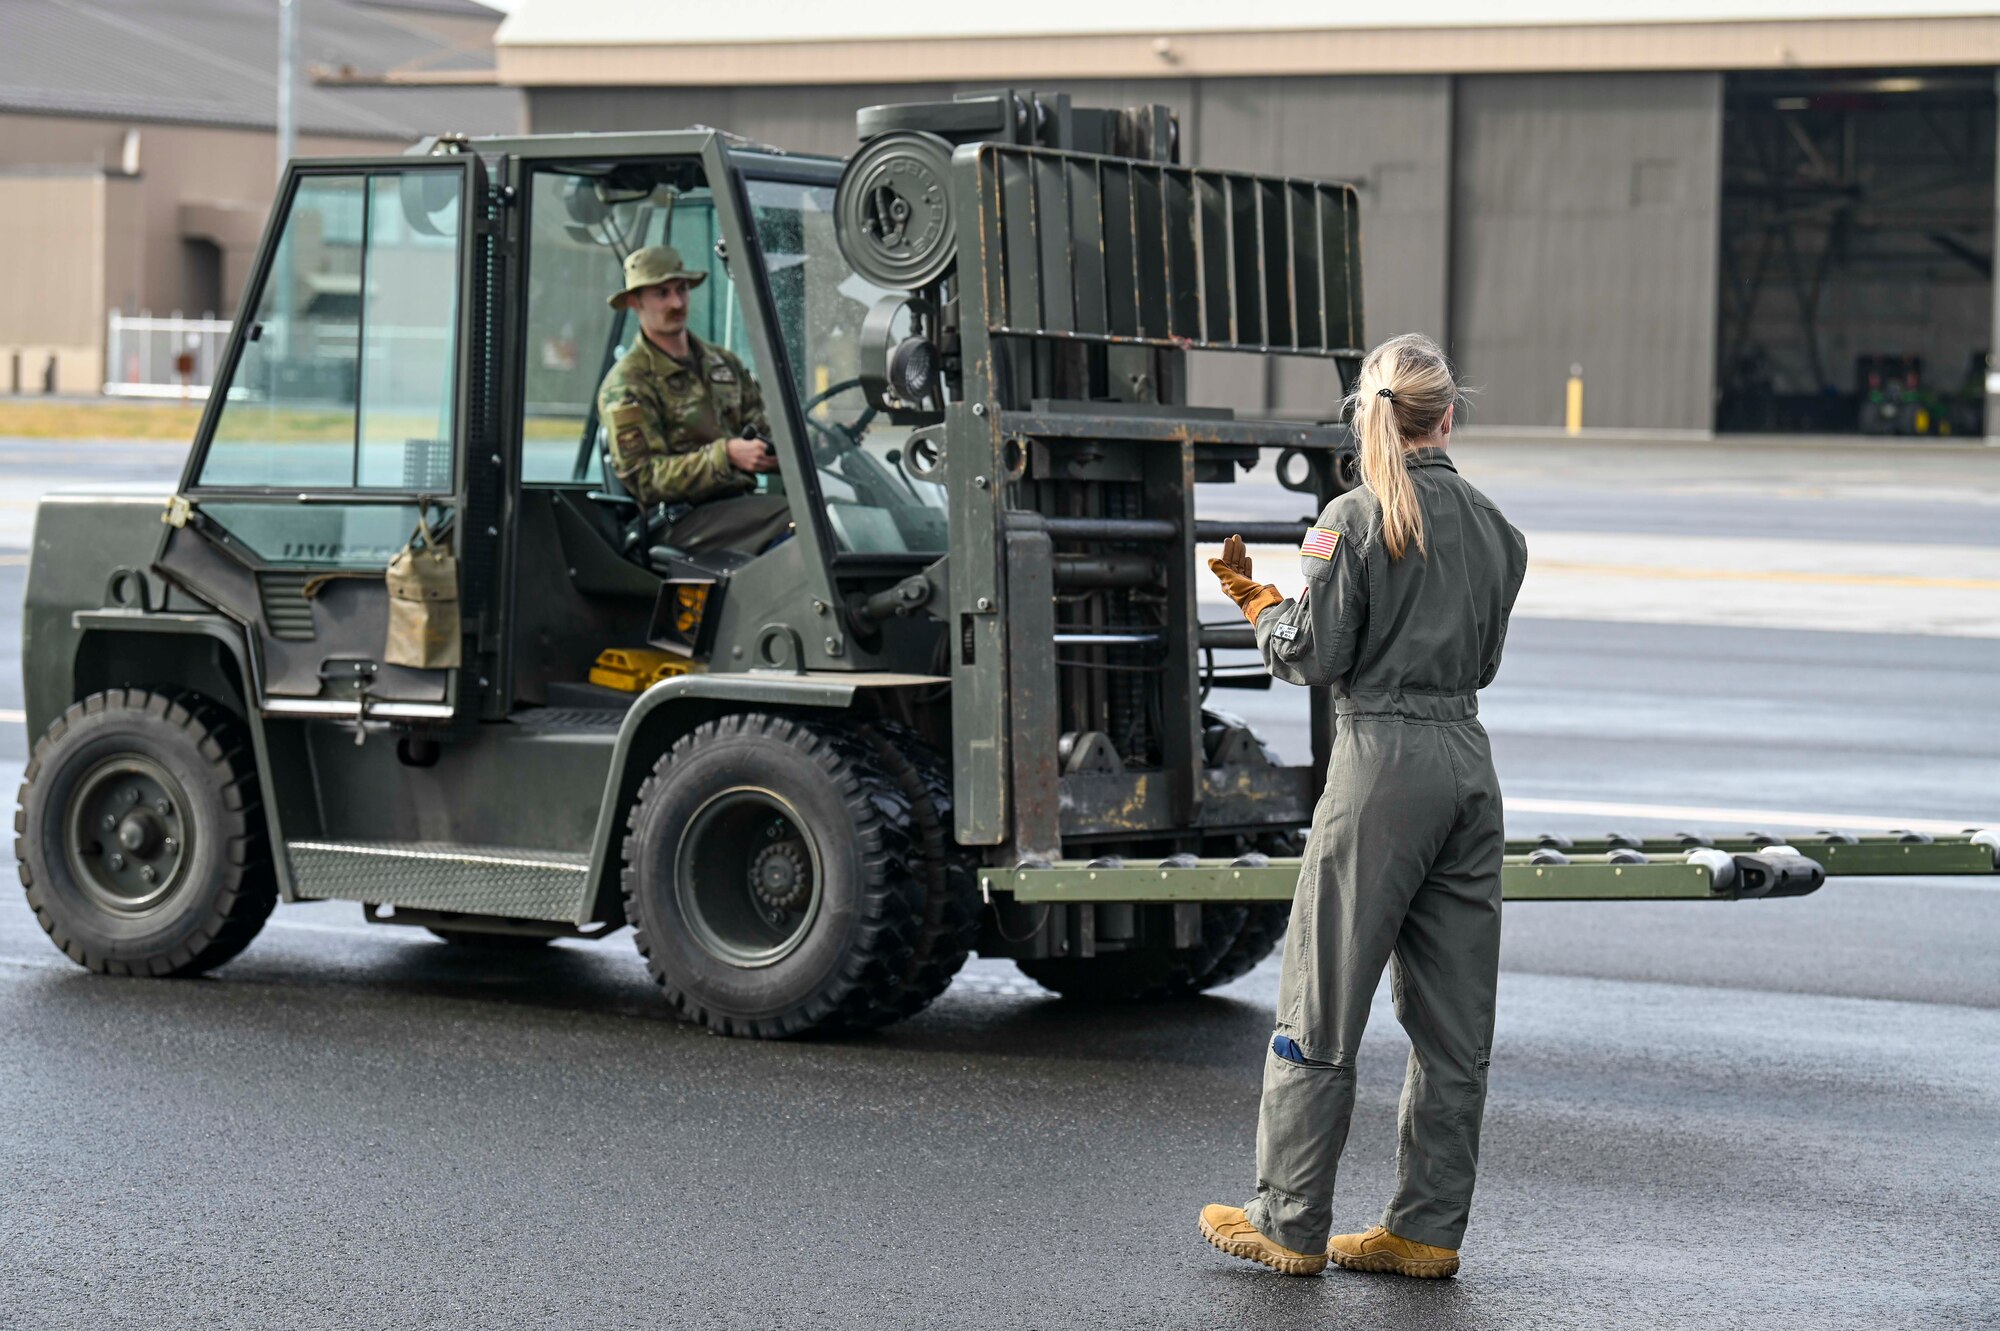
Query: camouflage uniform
(670,421)
(670,424)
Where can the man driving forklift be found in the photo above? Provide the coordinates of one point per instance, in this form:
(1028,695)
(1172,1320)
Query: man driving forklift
(686,420)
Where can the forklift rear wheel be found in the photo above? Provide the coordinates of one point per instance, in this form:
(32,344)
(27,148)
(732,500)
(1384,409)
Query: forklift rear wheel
(772,879)
(1145,974)
(1264,927)
(142,843)
(1262,931)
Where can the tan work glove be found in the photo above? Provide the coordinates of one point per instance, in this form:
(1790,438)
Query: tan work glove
(1233,568)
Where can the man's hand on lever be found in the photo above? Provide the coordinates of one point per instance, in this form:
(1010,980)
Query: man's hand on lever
(752,454)
(1233,569)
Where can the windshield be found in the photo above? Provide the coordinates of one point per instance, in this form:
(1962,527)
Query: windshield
(583,219)
(872,505)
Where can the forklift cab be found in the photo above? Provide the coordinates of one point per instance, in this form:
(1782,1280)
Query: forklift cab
(428,338)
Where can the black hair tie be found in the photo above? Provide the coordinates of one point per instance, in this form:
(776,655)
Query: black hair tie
(1389,393)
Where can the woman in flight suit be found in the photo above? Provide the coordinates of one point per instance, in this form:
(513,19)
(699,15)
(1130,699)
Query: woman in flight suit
(1408,585)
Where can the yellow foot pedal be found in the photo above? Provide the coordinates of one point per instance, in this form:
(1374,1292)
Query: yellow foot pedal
(636,669)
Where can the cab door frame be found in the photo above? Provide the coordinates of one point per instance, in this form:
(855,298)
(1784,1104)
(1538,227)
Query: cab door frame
(198,554)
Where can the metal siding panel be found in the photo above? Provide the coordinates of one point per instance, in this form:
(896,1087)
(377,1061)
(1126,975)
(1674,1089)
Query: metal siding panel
(1561,258)
(797,119)
(1993,398)
(1390,135)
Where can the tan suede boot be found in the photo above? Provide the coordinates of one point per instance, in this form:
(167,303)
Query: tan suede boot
(1230,1230)
(1379,1250)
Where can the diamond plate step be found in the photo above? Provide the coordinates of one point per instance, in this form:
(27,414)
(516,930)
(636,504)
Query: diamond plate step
(434,875)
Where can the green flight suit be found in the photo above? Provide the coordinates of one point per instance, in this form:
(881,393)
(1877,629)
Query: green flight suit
(669,423)
(1403,862)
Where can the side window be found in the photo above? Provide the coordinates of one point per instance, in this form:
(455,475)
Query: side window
(346,375)
(583,219)
(572,270)
(409,332)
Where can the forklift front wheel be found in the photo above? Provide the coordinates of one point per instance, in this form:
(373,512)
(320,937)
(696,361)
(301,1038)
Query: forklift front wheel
(771,877)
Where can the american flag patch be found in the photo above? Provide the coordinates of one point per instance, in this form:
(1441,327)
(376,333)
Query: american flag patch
(1319,543)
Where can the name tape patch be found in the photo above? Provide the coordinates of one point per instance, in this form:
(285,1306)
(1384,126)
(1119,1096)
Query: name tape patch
(1286,631)
(1320,543)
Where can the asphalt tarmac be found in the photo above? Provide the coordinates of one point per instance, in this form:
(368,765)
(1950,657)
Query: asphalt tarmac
(1761,1114)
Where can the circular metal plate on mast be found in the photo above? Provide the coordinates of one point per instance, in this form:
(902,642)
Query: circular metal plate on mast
(893,211)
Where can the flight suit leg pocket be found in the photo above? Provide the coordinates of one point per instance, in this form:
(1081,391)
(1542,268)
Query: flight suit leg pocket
(1301,1129)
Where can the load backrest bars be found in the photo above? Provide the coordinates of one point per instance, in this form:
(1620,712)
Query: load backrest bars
(1084,248)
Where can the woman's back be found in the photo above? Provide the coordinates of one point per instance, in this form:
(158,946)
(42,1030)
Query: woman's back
(1409,583)
(1401,635)
(1436,619)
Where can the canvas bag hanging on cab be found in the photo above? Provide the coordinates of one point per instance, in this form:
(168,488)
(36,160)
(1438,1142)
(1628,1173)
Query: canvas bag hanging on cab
(423,601)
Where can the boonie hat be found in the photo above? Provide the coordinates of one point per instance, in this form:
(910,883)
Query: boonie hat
(655,263)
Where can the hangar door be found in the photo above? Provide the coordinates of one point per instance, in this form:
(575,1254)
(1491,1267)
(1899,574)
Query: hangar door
(1856,252)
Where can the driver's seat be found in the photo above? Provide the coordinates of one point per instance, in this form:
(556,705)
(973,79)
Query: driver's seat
(639,523)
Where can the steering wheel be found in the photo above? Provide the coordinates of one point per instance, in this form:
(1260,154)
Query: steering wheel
(838,438)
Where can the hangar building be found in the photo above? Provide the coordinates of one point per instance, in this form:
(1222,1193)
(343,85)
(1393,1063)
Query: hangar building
(1770,215)
(138,155)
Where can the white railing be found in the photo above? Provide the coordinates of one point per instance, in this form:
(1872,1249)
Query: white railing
(145,356)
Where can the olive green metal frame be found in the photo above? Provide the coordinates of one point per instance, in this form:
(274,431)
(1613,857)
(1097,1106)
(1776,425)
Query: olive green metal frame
(1841,856)
(1582,877)
(1220,880)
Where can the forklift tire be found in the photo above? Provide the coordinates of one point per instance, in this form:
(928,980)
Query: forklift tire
(771,877)
(1257,939)
(948,916)
(1144,975)
(141,836)
(1264,927)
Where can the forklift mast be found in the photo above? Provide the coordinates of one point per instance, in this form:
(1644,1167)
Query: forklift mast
(1060,266)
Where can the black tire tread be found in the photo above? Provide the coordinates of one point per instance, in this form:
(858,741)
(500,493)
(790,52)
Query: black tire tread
(242,903)
(948,916)
(1146,974)
(1263,927)
(872,973)
(1260,935)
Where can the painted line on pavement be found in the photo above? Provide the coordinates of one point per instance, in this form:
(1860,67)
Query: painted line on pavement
(14,561)
(13,716)
(1697,813)
(1670,573)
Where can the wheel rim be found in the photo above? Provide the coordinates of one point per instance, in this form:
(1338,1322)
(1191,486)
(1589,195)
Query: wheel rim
(128,836)
(748,879)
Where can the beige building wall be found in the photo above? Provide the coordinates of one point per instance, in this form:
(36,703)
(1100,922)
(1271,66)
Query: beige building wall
(214,171)
(51,232)
(98,215)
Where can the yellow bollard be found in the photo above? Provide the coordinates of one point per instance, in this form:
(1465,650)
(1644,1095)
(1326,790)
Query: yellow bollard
(1573,417)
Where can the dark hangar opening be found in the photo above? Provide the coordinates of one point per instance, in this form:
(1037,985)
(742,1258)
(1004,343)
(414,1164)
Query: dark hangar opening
(1856,252)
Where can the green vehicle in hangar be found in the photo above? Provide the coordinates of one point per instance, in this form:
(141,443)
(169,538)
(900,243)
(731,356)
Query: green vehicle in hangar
(961,708)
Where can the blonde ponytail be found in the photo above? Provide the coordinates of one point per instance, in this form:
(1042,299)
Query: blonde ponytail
(1399,402)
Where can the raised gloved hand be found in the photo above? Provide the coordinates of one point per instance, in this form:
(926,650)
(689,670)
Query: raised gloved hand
(1233,569)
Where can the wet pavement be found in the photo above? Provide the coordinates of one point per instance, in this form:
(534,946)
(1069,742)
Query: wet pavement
(1760,1114)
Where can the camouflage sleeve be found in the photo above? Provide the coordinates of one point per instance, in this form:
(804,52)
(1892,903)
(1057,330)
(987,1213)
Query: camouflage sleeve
(649,471)
(1315,637)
